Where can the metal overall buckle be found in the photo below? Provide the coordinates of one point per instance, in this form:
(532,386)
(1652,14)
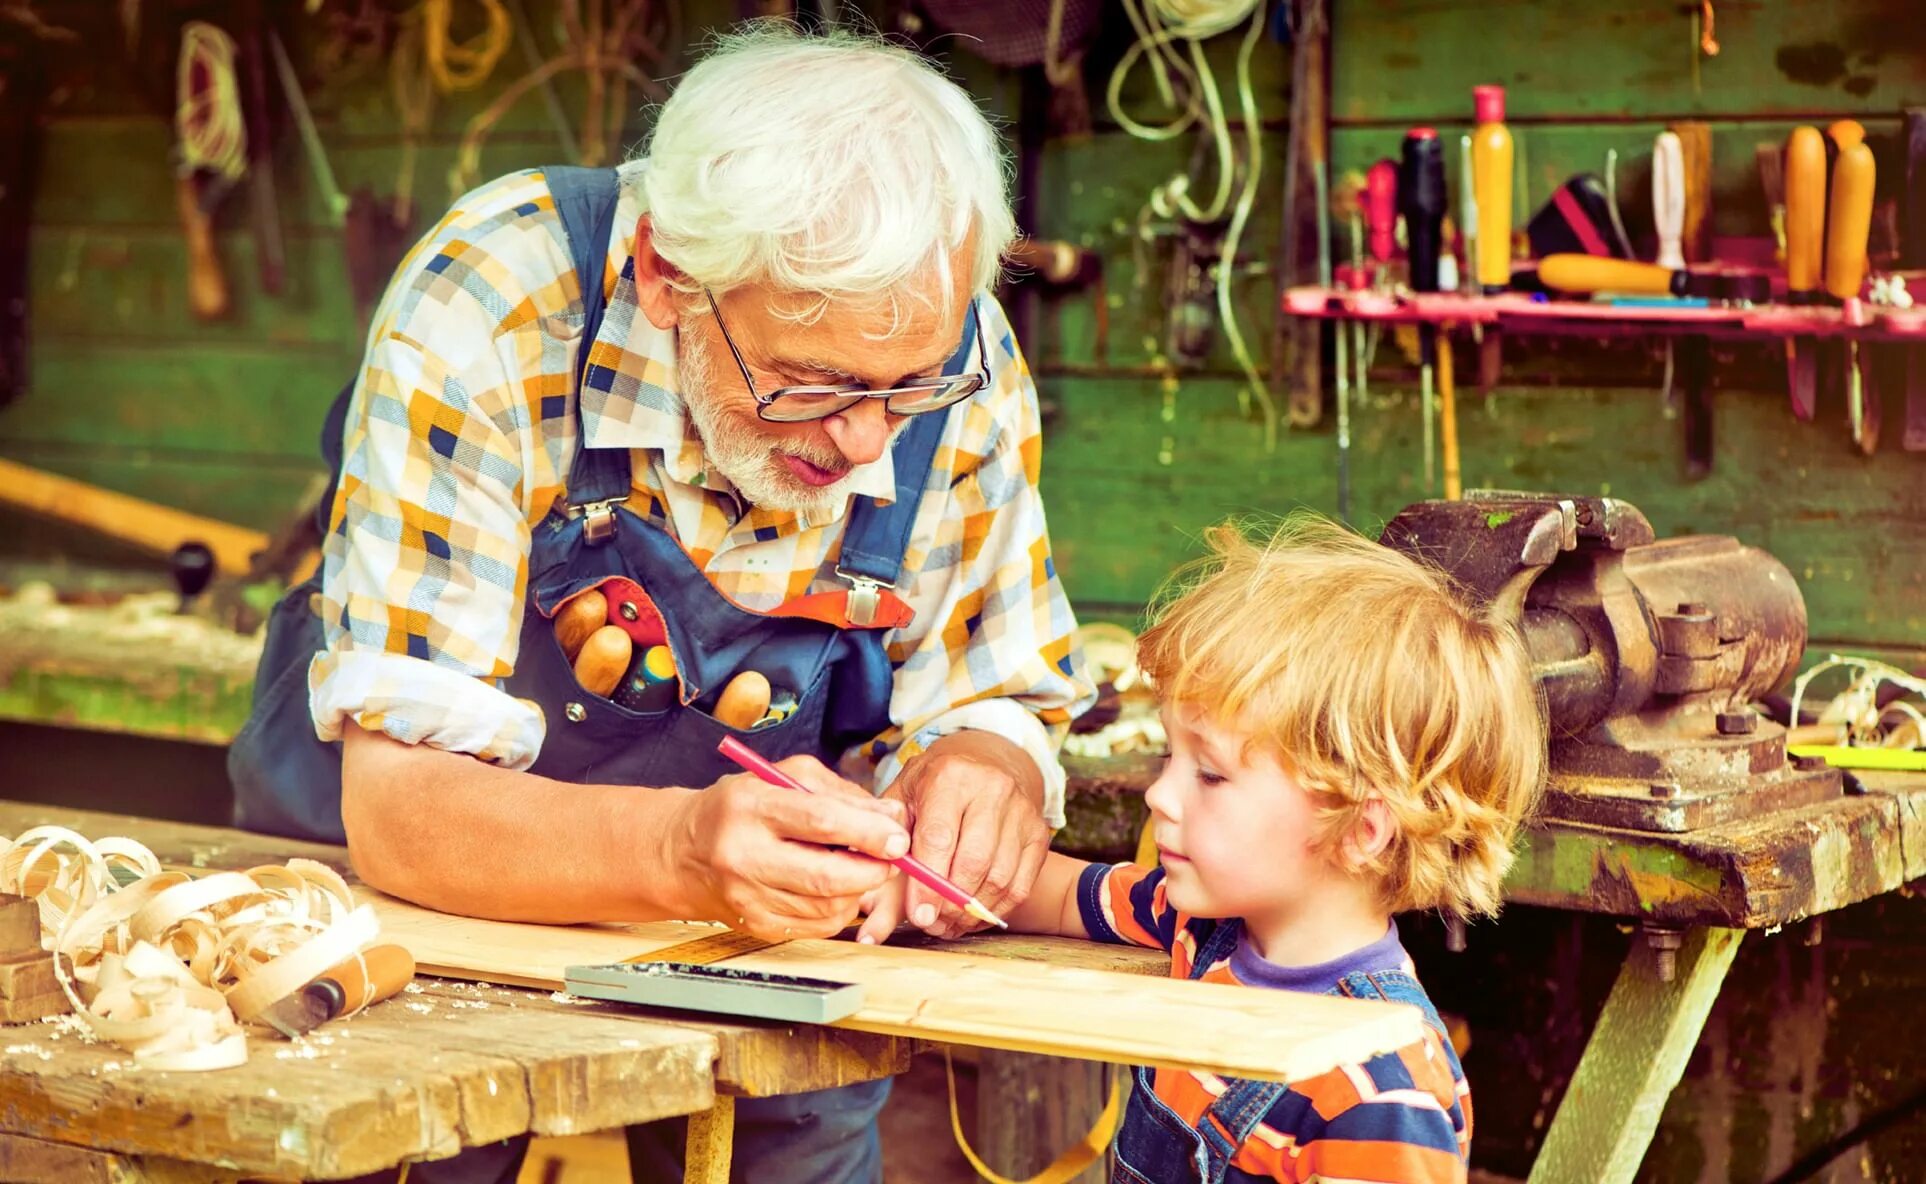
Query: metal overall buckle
(865,597)
(598,519)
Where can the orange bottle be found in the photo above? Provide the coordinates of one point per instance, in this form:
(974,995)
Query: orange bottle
(1491,185)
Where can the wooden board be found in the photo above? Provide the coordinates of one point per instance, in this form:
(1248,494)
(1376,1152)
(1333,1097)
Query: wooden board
(964,997)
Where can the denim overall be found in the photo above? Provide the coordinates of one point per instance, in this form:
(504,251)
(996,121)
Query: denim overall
(1156,1146)
(841,678)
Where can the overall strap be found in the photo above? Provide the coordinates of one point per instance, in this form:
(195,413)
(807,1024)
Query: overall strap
(1219,944)
(585,200)
(877,535)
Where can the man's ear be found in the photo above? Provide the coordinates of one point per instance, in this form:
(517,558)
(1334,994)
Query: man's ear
(1370,835)
(652,276)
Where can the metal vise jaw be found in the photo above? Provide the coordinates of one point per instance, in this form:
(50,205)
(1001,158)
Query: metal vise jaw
(1648,653)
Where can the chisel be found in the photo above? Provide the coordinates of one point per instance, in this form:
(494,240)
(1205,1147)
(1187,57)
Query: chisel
(1849,221)
(378,973)
(1912,253)
(1805,182)
(1421,199)
(1668,218)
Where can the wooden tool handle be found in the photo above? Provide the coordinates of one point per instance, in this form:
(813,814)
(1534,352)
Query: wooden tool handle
(744,701)
(1805,179)
(206,283)
(1594,273)
(1851,221)
(1668,198)
(1695,158)
(379,973)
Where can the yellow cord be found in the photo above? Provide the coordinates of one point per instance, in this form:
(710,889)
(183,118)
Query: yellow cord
(208,119)
(1064,1167)
(463,65)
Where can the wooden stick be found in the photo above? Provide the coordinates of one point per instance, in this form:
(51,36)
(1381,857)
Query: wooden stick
(1454,487)
(151,527)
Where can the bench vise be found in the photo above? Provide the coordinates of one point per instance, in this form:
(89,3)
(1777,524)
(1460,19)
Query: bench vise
(1648,654)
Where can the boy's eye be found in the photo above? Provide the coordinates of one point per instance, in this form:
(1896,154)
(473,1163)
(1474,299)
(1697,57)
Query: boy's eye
(1206,777)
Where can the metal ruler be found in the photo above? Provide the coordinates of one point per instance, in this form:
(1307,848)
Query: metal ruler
(707,949)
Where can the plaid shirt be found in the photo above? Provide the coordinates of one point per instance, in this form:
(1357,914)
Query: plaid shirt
(460,438)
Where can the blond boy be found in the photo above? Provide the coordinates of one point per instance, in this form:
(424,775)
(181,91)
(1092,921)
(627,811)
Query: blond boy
(1349,739)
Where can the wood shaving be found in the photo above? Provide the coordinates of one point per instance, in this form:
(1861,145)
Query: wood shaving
(168,966)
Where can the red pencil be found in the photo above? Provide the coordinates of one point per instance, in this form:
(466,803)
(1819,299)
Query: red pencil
(910,866)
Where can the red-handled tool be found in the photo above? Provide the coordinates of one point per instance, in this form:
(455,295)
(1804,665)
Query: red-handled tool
(909,865)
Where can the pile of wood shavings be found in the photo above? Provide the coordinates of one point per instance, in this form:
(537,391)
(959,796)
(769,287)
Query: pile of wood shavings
(170,966)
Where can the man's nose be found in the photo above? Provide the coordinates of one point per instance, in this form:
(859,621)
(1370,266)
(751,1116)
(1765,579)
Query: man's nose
(860,433)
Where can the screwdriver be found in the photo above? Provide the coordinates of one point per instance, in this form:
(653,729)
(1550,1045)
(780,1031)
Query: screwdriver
(1849,222)
(1421,199)
(1668,218)
(1805,182)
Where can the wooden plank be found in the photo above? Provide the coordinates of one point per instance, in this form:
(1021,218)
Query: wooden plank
(962,998)
(154,528)
(1410,60)
(1635,1057)
(36,1161)
(711,1140)
(257,492)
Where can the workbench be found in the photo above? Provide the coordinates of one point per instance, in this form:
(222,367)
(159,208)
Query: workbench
(1696,893)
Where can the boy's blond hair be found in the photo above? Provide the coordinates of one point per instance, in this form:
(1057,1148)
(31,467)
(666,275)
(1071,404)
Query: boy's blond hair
(1367,674)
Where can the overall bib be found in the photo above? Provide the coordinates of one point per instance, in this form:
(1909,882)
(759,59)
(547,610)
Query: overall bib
(289,782)
(1156,1146)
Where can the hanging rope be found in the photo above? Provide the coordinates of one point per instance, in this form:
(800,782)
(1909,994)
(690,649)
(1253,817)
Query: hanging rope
(467,64)
(207,112)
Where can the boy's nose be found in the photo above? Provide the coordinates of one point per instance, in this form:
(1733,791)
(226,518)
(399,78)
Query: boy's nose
(1162,797)
(860,433)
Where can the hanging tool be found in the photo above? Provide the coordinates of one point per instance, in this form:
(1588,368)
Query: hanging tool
(1381,213)
(1355,224)
(1421,199)
(1849,223)
(1448,419)
(1621,240)
(1695,175)
(1467,219)
(1668,217)
(1578,218)
(1805,181)
(334,202)
(264,212)
(376,974)
(211,137)
(1491,171)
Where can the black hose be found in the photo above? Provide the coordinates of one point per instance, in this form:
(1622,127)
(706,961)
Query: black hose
(1815,1161)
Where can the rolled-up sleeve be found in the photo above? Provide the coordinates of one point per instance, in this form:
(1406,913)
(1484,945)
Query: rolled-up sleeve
(425,561)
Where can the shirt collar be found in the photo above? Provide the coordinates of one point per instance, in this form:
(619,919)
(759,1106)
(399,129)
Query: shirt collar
(632,398)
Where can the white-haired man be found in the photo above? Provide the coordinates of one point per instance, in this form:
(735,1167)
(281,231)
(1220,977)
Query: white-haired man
(784,426)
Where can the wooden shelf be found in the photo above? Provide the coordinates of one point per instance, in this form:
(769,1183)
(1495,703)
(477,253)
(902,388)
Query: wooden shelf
(1518,312)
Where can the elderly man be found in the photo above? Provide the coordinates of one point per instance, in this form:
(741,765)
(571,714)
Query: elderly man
(780,411)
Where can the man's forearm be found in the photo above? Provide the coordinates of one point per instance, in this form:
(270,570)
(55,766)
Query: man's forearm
(462,836)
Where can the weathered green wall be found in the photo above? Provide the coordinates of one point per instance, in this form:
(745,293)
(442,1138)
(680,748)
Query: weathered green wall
(132,393)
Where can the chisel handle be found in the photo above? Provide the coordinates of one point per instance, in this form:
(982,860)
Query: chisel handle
(379,973)
(1668,198)
(1851,221)
(1595,273)
(1381,209)
(1421,199)
(1805,176)
(206,284)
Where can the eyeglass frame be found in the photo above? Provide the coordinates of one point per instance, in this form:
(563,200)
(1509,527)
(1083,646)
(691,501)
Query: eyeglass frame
(809,391)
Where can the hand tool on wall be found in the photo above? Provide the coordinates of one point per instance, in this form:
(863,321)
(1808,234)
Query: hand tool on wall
(1491,168)
(378,974)
(264,213)
(211,137)
(1695,174)
(1467,275)
(153,528)
(1805,183)
(1578,218)
(1668,217)
(1381,212)
(1849,222)
(1620,239)
(1421,199)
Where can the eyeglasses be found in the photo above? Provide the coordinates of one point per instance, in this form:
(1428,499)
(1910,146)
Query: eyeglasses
(798,404)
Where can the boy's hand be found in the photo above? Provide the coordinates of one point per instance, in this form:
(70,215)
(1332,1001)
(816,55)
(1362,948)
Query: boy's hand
(976,815)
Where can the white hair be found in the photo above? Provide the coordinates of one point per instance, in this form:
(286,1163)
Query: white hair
(834,165)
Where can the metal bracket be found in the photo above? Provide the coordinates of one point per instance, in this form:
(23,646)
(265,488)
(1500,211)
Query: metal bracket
(865,598)
(598,519)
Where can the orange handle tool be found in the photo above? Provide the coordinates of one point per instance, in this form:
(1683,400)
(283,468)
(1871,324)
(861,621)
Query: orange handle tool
(1851,221)
(206,283)
(1805,175)
(379,973)
(1596,273)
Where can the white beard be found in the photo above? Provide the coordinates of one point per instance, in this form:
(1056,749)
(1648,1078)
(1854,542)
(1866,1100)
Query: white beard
(746,457)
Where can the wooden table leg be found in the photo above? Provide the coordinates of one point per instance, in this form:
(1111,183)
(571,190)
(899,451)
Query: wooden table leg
(1030,1109)
(1635,1057)
(711,1138)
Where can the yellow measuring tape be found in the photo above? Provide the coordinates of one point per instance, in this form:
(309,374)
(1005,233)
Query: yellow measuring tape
(730,943)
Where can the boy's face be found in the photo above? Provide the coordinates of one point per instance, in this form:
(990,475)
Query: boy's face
(1235,830)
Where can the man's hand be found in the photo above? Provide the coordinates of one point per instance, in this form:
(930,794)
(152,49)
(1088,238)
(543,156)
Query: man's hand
(770,861)
(976,815)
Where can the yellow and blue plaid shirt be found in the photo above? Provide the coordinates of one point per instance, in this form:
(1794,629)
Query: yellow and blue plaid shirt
(459,441)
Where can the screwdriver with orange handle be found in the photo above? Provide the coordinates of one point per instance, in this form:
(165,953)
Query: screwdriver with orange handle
(1805,180)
